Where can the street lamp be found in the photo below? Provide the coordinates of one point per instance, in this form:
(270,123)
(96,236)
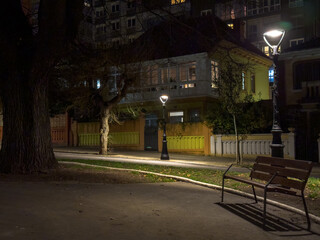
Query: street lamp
(273,39)
(164,153)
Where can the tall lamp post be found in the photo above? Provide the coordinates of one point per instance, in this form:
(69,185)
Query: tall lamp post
(276,146)
(164,153)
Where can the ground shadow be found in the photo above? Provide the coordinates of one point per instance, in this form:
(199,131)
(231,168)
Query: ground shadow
(252,213)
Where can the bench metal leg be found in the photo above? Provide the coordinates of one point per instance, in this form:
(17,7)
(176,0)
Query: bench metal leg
(222,189)
(264,207)
(254,193)
(306,209)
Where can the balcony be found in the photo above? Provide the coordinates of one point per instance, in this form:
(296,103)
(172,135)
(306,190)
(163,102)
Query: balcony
(311,92)
(175,90)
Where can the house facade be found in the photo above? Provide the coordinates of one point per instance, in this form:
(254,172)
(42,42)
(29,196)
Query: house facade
(300,86)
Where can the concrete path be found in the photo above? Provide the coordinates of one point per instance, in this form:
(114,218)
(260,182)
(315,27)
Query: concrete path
(153,158)
(40,210)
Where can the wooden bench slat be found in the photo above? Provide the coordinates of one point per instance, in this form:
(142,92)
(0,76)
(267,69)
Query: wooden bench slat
(283,171)
(305,165)
(278,180)
(248,181)
(271,187)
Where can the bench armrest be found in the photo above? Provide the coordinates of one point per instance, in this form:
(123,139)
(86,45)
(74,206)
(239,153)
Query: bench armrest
(271,179)
(227,170)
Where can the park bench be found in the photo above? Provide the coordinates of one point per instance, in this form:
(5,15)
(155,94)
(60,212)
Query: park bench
(276,175)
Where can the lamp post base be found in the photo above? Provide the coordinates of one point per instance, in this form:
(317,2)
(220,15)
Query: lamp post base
(277,150)
(276,146)
(164,153)
(164,156)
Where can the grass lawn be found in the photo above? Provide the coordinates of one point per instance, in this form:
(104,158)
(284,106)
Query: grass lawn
(202,175)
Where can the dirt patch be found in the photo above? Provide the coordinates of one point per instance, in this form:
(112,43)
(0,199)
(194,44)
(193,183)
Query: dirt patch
(81,174)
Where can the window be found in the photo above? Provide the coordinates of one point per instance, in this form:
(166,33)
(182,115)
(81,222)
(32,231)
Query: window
(206,12)
(295,42)
(174,2)
(271,75)
(252,31)
(101,29)
(230,25)
(113,78)
(172,74)
(100,13)
(194,115)
(131,39)
(188,72)
(243,81)
(131,4)
(154,75)
(115,25)
(163,75)
(306,72)
(176,117)
(214,73)
(115,7)
(263,6)
(266,50)
(295,3)
(131,22)
(98,84)
(253,83)
(274,5)
(87,3)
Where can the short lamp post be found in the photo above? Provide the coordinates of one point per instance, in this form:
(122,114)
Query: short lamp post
(276,146)
(164,152)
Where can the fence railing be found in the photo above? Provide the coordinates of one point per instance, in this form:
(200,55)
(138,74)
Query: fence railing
(116,138)
(59,136)
(255,144)
(186,142)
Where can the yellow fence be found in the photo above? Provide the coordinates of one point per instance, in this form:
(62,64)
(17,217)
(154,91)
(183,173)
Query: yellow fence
(186,142)
(89,139)
(119,138)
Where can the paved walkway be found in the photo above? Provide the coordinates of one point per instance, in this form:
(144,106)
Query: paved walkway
(191,160)
(44,210)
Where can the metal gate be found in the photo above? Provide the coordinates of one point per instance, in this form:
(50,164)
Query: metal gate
(151,133)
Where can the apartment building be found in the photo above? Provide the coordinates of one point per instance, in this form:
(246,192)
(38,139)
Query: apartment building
(299,18)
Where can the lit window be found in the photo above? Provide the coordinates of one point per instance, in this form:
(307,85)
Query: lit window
(87,3)
(188,72)
(98,84)
(176,117)
(230,25)
(271,75)
(243,81)
(265,50)
(174,2)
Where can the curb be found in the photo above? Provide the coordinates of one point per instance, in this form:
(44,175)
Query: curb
(213,186)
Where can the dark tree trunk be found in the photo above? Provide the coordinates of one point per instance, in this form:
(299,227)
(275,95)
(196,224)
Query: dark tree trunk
(26,143)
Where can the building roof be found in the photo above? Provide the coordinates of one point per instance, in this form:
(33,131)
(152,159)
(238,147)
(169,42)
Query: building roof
(187,36)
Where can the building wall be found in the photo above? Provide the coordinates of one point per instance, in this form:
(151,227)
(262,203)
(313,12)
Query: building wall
(294,96)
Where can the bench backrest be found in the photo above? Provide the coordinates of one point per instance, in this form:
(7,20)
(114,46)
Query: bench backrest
(291,173)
